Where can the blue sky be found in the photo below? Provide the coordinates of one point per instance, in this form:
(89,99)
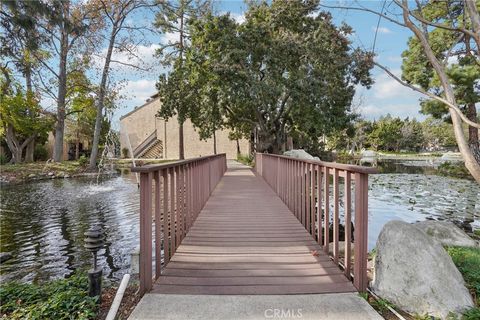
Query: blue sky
(386,96)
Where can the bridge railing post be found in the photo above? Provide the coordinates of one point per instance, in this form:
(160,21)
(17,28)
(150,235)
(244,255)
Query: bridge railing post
(146,232)
(181,190)
(311,189)
(361,231)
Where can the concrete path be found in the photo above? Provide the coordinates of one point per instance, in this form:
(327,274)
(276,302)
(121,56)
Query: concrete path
(336,306)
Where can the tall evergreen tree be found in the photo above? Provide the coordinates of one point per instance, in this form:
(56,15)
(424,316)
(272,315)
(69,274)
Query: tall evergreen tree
(173,18)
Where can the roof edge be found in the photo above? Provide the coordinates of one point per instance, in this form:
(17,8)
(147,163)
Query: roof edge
(152,98)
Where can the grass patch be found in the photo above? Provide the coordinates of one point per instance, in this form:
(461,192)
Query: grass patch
(467,261)
(449,169)
(410,153)
(246,159)
(23,171)
(58,299)
(38,167)
(381,305)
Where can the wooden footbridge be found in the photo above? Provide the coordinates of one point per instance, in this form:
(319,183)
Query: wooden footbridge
(209,229)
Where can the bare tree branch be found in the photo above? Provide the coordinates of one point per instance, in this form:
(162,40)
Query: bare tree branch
(365,10)
(429,94)
(129,65)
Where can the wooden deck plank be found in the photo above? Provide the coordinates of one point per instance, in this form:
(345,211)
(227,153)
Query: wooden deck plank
(313,271)
(252,281)
(246,241)
(236,290)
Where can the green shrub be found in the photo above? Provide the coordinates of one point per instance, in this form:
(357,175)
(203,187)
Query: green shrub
(59,299)
(382,305)
(364,295)
(449,169)
(3,159)
(472,314)
(245,159)
(125,152)
(467,261)
(83,161)
(40,153)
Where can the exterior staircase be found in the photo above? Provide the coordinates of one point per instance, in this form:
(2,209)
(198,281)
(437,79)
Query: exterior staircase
(155,151)
(150,148)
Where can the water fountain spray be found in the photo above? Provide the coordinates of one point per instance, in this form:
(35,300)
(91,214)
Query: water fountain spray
(130,149)
(109,149)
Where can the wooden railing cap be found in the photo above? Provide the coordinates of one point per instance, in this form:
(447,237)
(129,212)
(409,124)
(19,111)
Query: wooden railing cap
(156,167)
(334,165)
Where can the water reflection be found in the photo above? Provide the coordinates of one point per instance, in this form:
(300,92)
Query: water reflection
(42,225)
(417,197)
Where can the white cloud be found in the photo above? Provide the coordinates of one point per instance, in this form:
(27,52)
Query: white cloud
(170,37)
(141,56)
(386,87)
(382,30)
(239,18)
(136,92)
(401,110)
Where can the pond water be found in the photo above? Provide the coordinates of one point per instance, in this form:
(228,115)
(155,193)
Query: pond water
(42,223)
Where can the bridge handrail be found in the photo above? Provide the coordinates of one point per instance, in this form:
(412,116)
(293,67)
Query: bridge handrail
(161,166)
(301,185)
(174,193)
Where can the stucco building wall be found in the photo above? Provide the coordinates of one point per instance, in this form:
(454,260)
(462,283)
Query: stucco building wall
(142,122)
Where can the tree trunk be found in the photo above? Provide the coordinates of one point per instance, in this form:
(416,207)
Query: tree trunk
(28,81)
(181,149)
(30,150)
(471,163)
(101,97)
(14,145)
(214,142)
(28,78)
(238,147)
(473,141)
(475,20)
(62,89)
(77,149)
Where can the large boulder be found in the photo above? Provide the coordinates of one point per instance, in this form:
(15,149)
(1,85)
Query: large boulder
(300,154)
(446,233)
(414,272)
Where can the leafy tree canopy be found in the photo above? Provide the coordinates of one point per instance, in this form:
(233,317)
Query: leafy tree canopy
(456,50)
(287,70)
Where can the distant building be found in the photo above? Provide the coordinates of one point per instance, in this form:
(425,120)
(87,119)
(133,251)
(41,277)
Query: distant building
(72,147)
(149,136)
